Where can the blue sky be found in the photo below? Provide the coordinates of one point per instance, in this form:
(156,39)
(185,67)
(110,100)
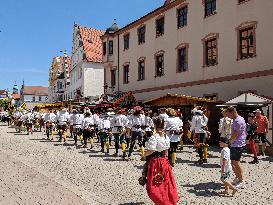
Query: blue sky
(33,31)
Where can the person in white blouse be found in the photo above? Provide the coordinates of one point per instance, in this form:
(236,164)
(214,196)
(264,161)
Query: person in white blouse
(148,126)
(76,121)
(136,123)
(163,114)
(199,124)
(87,127)
(104,126)
(96,119)
(119,123)
(157,173)
(62,118)
(174,130)
(27,118)
(50,119)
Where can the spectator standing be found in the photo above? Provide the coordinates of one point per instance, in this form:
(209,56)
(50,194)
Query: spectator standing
(262,130)
(251,129)
(237,144)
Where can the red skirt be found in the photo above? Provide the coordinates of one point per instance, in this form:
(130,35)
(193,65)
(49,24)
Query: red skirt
(161,186)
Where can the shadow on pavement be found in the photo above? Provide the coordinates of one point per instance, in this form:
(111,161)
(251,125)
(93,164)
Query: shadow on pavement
(100,155)
(183,161)
(114,159)
(210,166)
(208,189)
(139,166)
(270,159)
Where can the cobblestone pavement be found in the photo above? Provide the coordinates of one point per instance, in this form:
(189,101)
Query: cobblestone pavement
(19,184)
(32,166)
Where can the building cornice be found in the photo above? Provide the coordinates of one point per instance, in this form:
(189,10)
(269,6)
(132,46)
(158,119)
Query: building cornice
(152,14)
(209,81)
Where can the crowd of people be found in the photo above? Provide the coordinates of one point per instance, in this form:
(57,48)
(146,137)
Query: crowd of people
(235,133)
(157,135)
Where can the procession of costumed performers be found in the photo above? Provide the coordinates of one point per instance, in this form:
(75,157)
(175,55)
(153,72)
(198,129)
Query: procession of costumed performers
(156,134)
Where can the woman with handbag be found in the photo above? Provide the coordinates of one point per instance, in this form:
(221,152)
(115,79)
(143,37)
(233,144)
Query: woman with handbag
(157,173)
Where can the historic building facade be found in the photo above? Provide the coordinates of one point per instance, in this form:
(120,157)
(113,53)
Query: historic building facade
(34,94)
(86,73)
(205,48)
(56,72)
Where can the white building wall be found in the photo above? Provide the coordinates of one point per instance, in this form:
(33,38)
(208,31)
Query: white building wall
(76,82)
(29,98)
(93,78)
(229,16)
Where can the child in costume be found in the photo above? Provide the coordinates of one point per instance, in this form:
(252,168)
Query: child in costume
(157,173)
(226,168)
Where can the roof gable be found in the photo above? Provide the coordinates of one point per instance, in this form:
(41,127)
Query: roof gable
(35,90)
(92,43)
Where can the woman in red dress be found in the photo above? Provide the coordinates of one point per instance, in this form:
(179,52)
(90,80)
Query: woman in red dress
(157,173)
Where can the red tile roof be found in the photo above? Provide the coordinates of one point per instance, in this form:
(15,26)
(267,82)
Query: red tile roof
(2,92)
(15,96)
(35,90)
(92,43)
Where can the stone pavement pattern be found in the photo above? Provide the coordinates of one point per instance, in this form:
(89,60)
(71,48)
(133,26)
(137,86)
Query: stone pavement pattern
(98,178)
(19,184)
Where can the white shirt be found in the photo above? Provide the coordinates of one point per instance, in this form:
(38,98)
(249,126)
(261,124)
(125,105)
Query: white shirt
(164,116)
(96,119)
(117,121)
(136,121)
(225,154)
(173,124)
(17,115)
(76,120)
(62,117)
(26,117)
(198,122)
(50,117)
(87,122)
(158,143)
(104,124)
(149,123)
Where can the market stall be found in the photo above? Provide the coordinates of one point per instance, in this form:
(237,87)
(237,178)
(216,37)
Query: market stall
(248,102)
(186,104)
(54,106)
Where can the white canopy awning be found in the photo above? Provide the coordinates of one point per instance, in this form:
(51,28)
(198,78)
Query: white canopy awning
(249,99)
